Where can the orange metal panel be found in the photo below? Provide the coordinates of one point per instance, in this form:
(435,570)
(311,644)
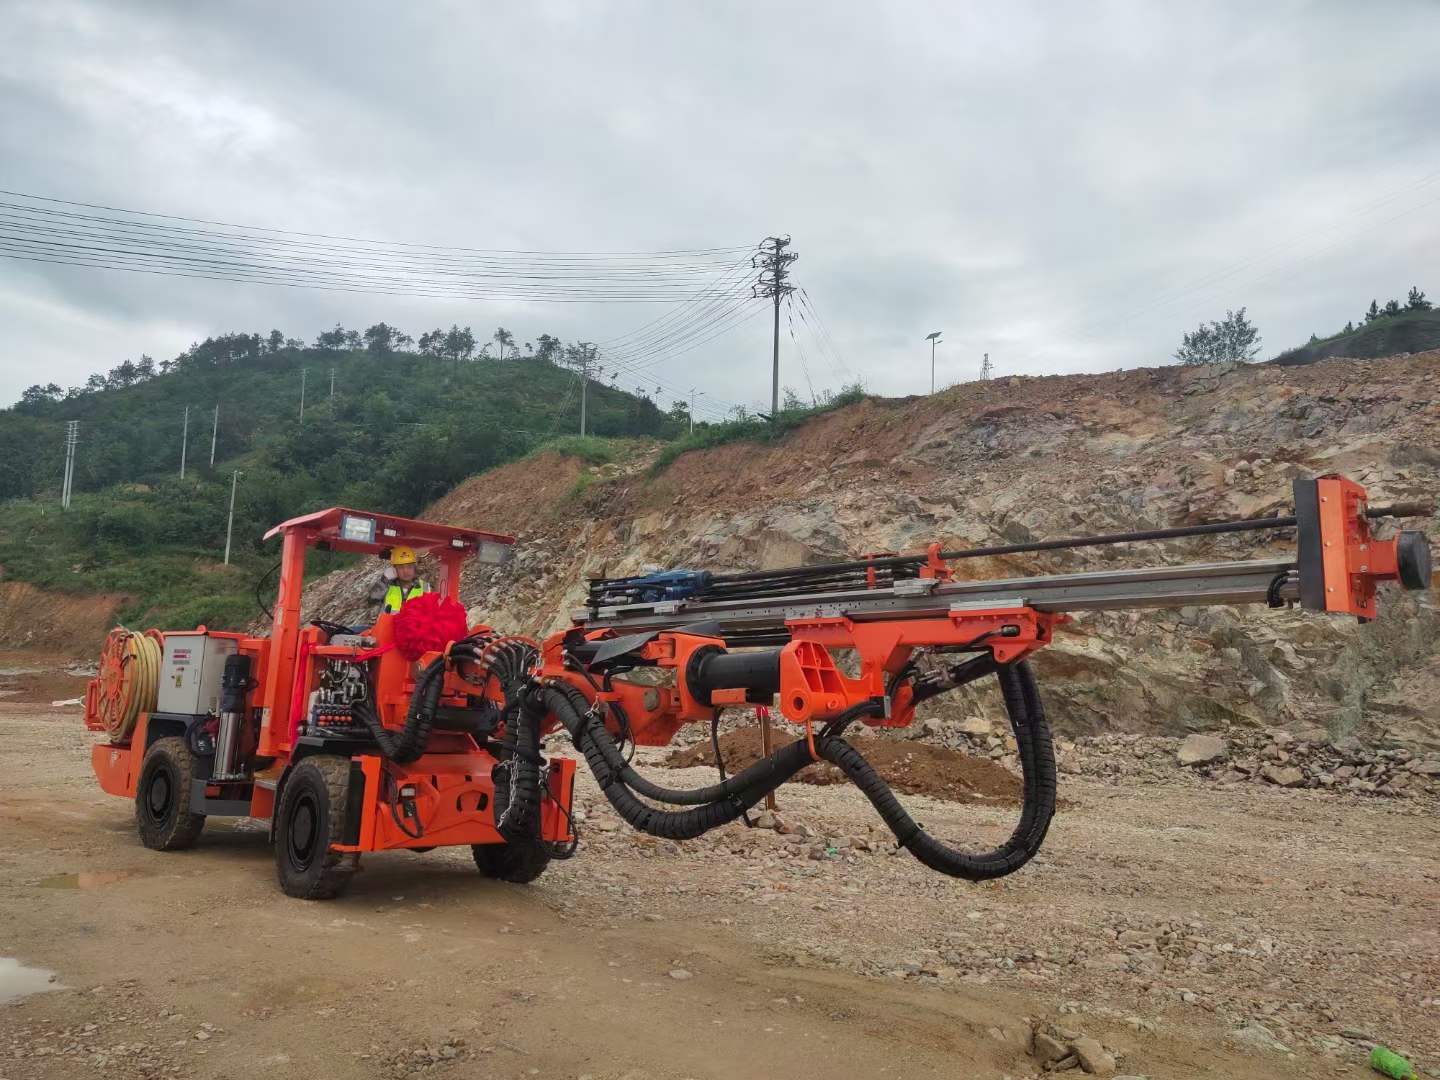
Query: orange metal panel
(454,797)
(284,641)
(117,765)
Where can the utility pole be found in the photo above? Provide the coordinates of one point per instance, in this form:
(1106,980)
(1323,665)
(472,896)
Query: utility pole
(986,370)
(230,522)
(693,393)
(302,393)
(774,260)
(586,355)
(933,339)
(184,440)
(332,384)
(72,436)
(214,434)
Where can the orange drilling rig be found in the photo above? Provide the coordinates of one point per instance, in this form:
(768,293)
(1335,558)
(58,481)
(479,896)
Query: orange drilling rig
(421,731)
(393,736)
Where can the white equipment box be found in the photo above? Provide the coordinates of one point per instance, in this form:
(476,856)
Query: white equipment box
(190,673)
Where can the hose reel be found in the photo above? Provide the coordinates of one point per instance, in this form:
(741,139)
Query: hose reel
(129,679)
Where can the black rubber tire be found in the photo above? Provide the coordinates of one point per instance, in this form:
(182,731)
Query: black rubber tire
(162,797)
(520,862)
(311,817)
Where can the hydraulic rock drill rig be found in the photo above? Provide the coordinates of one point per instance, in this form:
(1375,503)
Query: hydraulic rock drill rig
(753,638)
(420,731)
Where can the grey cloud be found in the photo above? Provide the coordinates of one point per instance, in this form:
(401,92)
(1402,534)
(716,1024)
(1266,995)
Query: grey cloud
(1065,186)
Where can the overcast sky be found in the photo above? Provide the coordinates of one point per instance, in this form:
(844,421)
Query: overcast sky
(1065,186)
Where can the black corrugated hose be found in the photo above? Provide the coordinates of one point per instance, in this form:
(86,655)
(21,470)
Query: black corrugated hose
(731,799)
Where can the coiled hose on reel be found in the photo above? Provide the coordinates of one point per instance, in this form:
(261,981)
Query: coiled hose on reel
(128,681)
(739,793)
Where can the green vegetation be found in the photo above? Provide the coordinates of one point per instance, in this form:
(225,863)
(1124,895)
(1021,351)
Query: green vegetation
(590,450)
(1383,331)
(758,429)
(1232,340)
(403,428)
(409,419)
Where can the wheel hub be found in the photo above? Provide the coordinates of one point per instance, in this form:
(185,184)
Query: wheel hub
(301,835)
(157,798)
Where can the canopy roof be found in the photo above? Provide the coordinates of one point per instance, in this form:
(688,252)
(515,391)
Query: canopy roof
(344,529)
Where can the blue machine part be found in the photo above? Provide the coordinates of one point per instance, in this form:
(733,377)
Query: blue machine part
(665,585)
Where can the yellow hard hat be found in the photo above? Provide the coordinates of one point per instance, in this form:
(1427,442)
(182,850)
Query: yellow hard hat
(402,556)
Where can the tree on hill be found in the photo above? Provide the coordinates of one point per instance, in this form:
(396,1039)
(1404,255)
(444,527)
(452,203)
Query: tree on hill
(1373,313)
(503,338)
(1416,300)
(432,342)
(459,344)
(1392,307)
(1231,340)
(382,338)
(274,342)
(331,340)
(548,348)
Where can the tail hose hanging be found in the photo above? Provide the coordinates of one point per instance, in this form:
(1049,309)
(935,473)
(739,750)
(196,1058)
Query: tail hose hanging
(719,804)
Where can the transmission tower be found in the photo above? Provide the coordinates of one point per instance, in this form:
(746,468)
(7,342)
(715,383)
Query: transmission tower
(986,368)
(773,262)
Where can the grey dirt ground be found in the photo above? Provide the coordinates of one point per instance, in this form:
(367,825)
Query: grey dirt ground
(1193,930)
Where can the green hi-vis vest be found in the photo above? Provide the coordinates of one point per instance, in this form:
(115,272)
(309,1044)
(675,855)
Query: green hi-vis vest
(397,594)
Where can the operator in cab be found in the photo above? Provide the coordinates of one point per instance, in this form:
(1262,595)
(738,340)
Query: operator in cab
(400,582)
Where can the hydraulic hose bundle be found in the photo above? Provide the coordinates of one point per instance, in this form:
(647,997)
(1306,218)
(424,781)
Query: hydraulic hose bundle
(409,743)
(518,786)
(722,803)
(128,680)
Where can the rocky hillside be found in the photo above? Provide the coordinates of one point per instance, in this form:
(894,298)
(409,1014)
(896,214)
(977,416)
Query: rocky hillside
(1022,458)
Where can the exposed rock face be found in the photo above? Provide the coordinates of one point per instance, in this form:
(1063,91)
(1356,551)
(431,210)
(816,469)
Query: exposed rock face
(1022,458)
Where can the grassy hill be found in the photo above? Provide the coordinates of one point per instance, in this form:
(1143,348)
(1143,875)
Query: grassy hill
(1407,332)
(401,430)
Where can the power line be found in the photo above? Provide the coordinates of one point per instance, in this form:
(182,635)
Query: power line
(351,239)
(144,242)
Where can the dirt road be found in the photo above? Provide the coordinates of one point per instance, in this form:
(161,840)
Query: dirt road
(1160,921)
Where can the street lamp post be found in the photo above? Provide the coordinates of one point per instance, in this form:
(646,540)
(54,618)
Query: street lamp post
(693,395)
(933,339)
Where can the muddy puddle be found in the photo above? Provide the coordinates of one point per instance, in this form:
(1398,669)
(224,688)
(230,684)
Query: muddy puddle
(18,981)
(88,879)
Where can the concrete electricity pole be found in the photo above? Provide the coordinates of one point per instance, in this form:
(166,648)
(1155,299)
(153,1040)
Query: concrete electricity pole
(332,384)
(214,434)
(774,260)
(302,393)
(230,522)
(586,354)
(184,440)
(933,339)
(72,436)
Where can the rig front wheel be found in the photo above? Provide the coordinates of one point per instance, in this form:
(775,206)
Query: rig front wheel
(162,797)
(311,817)
(521,862)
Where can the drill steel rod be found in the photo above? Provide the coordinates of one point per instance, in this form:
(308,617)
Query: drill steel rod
(1209,528)
(1256,581)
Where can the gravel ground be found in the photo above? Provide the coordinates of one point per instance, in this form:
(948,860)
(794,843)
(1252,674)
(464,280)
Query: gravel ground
(1188,928)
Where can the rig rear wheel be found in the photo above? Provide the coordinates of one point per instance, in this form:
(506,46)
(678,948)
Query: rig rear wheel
(521,862)
(162,797)
(311,818)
